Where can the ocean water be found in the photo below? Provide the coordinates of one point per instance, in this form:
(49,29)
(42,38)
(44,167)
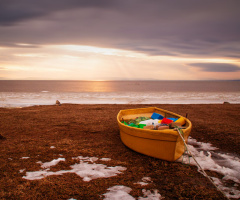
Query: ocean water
(17,93)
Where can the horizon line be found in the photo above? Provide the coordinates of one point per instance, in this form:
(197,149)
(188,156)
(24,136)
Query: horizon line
(114,80)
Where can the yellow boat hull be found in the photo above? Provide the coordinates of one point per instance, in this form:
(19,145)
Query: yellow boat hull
(163,144)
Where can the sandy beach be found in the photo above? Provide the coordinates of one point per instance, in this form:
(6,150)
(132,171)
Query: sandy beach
(32,136)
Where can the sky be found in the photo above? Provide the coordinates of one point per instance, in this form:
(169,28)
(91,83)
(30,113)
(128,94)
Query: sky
(119,40)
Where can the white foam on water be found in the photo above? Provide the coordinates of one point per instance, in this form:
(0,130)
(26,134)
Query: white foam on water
(227,165)
(23,99)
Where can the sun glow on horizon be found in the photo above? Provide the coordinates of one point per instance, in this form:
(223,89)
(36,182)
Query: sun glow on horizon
(81,62)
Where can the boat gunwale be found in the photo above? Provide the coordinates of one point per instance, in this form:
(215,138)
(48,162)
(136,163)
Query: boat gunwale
(143,133)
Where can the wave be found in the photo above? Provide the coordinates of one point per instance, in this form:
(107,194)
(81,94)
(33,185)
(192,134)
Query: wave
(22,99)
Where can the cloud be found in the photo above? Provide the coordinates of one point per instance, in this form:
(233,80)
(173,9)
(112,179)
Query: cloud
(216,67)
(18,45)
(16,11)
(190,29)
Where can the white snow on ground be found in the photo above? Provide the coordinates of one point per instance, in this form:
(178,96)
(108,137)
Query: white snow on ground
(105,159)
(147,194)
(145,181)
(207,156)
(120,192)
(21,170)
(84,169)
(52,147)
(92,171)
(88,170)
(51,163)
(25,157)
(86,159)
(226,164)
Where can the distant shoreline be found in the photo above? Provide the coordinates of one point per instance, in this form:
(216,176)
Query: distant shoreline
(118,104)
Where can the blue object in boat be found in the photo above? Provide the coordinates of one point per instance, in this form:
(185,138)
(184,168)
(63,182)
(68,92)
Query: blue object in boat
(173,119)
(156,116)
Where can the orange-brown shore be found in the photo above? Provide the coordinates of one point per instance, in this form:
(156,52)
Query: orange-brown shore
(92,130)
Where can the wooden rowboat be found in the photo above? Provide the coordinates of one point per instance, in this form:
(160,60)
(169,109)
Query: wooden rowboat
(163,144)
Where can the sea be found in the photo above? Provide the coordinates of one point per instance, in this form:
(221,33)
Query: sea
(22,93)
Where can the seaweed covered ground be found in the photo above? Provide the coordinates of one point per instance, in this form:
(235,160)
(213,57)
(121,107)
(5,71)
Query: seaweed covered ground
(62,137)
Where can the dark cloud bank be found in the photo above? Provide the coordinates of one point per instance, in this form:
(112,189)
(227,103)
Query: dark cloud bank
(184,28)
(216,67)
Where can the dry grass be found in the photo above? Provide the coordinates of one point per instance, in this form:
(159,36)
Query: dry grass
(91,130)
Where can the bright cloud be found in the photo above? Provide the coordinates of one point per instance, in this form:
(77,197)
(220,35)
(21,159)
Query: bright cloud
(79,62)
(89,40)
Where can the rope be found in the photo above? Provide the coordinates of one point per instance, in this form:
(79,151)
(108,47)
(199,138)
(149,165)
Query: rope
(180,132)
(185,149)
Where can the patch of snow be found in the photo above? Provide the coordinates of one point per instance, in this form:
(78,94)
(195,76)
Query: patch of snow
(105,159)
(145,181)
(231,192)
(85,170)
(226,164)
(25,157)
(86,159)
(148,195)
(52,147)
(201,145)
(21,170)
(142,183)
(52,163)
(120,192)
(93,171)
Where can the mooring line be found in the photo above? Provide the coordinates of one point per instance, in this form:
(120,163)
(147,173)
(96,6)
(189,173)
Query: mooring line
(199,166)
